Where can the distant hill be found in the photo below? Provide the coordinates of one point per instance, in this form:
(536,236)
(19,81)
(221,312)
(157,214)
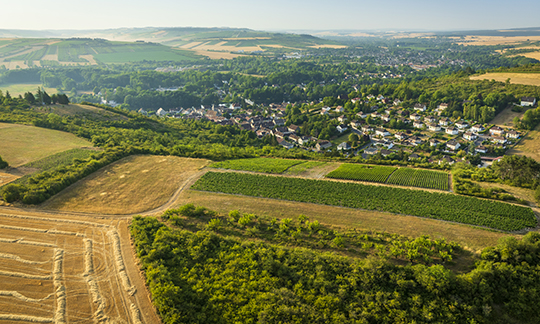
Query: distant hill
(31,47)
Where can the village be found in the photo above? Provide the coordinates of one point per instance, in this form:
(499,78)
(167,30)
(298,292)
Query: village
(427,135)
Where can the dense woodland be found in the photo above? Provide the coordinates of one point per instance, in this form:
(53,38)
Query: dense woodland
(214,275)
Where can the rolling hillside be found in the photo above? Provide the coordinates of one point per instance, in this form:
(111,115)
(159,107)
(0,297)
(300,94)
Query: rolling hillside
(23,49)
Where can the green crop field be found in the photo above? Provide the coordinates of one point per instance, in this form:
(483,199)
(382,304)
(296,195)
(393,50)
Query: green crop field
(360,172)
(420,178)
(392,175)
(265,165)
(442,206)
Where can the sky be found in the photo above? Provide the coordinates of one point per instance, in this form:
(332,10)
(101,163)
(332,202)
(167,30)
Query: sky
(271,15)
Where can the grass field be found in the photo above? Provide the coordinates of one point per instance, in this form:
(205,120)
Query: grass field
(21,144)
(474,238)
(53,161)
(529,145)
(22,88)
(131,185)
(265,165)
(515,78)
(81,110)
(506,117)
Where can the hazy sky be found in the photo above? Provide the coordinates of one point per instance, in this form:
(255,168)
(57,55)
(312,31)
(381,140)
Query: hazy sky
(271,14)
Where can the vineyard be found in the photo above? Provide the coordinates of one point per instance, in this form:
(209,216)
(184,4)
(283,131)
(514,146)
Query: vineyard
(392,175)
(265,165)
(442,206)
(362,172)
(419,178)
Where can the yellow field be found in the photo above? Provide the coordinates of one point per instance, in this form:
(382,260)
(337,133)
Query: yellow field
(515,78)
(132,185)
(21,144)
(494,40)
(328,46)
(22,88)
(218,55)
(533,55)
(69,270)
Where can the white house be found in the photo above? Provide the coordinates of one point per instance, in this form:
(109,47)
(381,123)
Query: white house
(161,113)
(418,124)
(512,134)
(477,128)
(452,131)
(528,101)
(444,122)
(415,116)
(381,132)
(434,127)
(341,128)
(496,131)
(420,107)
(453,145)
(344,146)
(470,136)
(462,125)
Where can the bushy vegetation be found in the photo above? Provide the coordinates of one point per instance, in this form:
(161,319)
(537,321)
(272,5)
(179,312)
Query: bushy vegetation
(54,161)
(3,164)
(448,207)
(201,276)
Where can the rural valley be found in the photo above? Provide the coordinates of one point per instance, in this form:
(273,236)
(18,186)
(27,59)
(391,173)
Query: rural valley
(229,175)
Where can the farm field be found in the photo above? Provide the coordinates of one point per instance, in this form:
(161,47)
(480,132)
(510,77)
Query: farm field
(420,178)
(515,78)
(21,144)
(58,270)
(266,165)
(392,175)
(360,172)
(495,40)
(132,185)
(54,161)
(21,88)
(411,226)
(30,52)
(441,206)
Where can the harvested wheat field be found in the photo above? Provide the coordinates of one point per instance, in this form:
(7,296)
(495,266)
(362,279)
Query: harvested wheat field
(515,78)
(56,270)
(494,40)
(132,185)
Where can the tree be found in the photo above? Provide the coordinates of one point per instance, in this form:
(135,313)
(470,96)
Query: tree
(3,164)
(353,138)
(29,97)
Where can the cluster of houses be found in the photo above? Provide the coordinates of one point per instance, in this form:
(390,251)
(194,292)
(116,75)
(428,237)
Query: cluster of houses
(447,134)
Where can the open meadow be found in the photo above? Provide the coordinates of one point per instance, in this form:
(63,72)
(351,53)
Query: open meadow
(21,144)
(21,88)
(132,185)
(515,78)
(528,146)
